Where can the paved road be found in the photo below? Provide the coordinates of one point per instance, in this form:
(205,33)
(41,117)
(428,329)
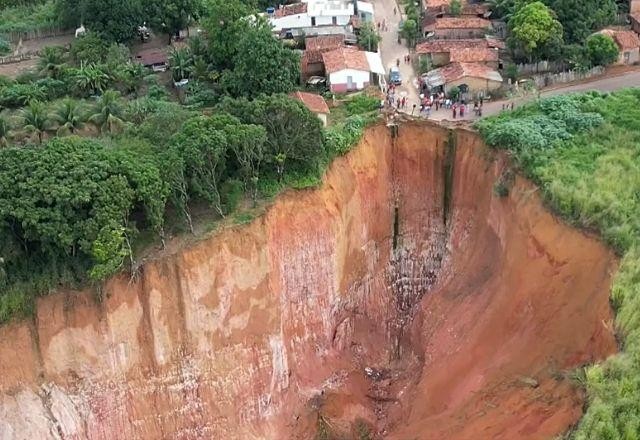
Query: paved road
(391,50)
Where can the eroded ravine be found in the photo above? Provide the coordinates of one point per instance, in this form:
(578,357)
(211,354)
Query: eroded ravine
(403,295)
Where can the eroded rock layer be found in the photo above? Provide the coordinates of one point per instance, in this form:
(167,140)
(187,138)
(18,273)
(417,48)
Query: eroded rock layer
(403,297)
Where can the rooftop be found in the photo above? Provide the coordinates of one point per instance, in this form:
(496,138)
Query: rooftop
(456,71)
(150,57)
(435,46)
(462,23)
(313,102)
(624,39)
(473,55)
(292,9)
(324,42)
(345,58)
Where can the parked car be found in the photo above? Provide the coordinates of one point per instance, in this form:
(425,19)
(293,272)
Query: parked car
(394,76)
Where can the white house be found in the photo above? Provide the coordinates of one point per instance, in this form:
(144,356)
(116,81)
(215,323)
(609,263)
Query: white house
(315,103)
(365,11)
(349,69)
(311,13)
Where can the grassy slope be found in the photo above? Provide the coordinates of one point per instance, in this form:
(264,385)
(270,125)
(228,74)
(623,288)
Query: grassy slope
(588,169)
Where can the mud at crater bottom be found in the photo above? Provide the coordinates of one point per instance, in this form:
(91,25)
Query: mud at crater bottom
(403,299)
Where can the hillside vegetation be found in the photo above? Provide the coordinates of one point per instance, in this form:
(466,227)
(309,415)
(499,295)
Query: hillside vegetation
(583,151)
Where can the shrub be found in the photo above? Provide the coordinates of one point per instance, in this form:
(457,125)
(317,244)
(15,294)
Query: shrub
(362,104)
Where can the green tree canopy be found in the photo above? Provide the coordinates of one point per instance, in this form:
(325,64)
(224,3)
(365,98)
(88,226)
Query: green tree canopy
(534,29)
(172,16)
(602,50)
(114,20)
(261,63)
(368,37)
(225,23)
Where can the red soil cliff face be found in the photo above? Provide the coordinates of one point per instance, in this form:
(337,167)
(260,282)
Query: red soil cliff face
(403,295)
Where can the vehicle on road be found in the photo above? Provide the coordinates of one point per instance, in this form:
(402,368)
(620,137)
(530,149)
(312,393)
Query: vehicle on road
(394,76)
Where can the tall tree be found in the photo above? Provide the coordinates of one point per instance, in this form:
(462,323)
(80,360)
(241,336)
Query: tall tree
(203,149)
(368,37)
(114,20)
(534,30)
(172,16)
(225,23)
(580,18)
(261,63)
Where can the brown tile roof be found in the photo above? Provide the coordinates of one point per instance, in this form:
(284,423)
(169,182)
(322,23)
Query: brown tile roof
(312,56)
(462,23)
(437,46)
(627,40)
(635,17)
(292,9)
(150,57)
(455,71)
(324,42)
(345,58)
(313,102)
(495,42)
(473,55)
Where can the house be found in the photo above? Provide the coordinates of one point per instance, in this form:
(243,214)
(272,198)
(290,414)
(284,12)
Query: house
(635,22)
(442,52)
(312,13)
(315,103)
(311,63)
(364,12)
(474,79)
(440,8)
(628,43)
(456,27)
(349,69)
(154,59)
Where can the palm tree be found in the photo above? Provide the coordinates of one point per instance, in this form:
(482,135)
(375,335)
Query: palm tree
(180,62)
(91,78)
(51,61)
(35,119)
(69,116)
(108,116)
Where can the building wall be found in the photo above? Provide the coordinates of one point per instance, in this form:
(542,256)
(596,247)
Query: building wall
(290,21)
(327,20)
(633,56)
(338,80)
(323,118)
(438,59)
(476,85)
(455,34)
(634,6)
(635,25)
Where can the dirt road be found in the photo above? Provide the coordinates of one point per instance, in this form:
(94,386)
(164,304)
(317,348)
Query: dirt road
(391,50)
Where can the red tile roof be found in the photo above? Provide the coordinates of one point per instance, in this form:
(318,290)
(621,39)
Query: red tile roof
(473,55)
(292,9)
(437,46)
(635,17)
(462,23)
(455,71)
(150,57)
(324,42)
(345,58)
(624,39)
(313,102)
(627,40)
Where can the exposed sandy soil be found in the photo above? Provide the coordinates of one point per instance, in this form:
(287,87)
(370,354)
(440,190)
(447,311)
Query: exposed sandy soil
(394,297)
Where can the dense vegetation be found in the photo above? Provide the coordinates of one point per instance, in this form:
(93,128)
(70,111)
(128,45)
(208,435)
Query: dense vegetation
(583,151)
(101,158)
(555,29)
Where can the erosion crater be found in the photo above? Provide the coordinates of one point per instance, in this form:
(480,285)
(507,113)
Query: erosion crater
(403,299)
